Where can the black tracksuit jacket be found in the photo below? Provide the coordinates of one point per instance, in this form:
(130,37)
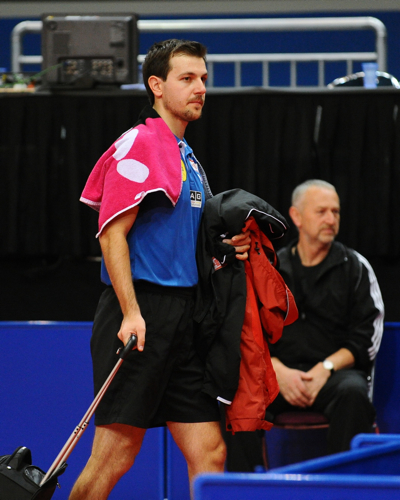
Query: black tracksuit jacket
(343,308)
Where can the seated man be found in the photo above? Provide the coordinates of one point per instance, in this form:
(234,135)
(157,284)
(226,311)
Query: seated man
(323,358)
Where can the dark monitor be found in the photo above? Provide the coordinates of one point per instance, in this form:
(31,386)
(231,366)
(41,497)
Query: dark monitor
(86,51)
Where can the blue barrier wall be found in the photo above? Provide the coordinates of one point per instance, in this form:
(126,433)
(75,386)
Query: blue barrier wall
(287,446)
(363,440)
(387,380)
(45,390)
(295,487)
(382,460)
(47,387)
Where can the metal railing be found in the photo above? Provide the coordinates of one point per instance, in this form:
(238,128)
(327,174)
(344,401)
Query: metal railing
(242,25)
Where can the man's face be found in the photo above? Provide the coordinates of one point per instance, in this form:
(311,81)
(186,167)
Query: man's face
(319,212)
(183,92)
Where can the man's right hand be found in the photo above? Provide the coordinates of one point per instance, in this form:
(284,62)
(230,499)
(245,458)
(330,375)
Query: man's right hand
(133,324)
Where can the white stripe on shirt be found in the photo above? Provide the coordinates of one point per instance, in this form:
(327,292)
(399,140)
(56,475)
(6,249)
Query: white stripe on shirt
(378,302)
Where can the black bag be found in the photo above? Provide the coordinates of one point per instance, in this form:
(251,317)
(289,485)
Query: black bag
(20,480)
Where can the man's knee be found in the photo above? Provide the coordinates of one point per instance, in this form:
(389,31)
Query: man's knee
(209,451)
(350,396)
(352,385)
(219,454)
(116,446)
(201,444)
(208,458)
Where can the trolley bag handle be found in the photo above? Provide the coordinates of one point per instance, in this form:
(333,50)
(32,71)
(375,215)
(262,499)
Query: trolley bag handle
(81,427)
(21,456)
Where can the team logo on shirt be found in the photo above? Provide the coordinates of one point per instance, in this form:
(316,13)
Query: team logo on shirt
(183,171)
(194,164)
(195,199)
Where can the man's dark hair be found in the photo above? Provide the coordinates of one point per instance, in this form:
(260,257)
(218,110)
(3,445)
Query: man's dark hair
(157,61)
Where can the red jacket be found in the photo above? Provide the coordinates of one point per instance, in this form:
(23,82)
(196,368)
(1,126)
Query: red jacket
(269,305)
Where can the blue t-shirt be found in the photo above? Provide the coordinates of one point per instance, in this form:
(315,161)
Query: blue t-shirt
(162,241)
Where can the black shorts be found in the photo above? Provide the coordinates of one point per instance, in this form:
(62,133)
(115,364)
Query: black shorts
(163,383)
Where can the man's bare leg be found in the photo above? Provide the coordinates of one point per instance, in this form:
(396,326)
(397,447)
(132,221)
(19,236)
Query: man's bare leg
(114,451)
(202,446)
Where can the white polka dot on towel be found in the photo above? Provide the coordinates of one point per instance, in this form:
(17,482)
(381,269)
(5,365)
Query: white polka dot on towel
(133,170)
(124,144)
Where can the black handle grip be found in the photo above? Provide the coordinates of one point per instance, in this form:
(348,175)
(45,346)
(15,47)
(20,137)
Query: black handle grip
(21,456)
(131,344)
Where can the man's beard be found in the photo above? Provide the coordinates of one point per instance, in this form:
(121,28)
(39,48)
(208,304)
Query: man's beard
(190,116)
(186,115)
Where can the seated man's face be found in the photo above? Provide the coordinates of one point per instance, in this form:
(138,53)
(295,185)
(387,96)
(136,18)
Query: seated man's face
(320,215)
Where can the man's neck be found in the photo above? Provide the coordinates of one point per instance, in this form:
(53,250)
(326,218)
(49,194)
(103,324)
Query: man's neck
(312,255)
(176,125)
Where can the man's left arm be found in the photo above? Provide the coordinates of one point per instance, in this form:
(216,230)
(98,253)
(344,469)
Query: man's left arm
(364,331)
(366,317)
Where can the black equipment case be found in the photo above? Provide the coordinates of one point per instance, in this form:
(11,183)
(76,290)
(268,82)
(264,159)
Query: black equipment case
(20,480)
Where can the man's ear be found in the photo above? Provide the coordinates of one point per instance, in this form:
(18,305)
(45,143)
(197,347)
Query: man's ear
(295,216)
(155,84)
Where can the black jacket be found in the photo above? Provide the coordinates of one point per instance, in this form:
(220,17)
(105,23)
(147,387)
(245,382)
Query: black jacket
(221,295)
(343,308)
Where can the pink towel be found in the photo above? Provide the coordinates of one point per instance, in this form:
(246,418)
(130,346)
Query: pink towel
(143,160)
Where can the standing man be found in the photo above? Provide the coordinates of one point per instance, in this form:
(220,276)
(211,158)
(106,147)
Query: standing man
(150,191)
(323,359)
